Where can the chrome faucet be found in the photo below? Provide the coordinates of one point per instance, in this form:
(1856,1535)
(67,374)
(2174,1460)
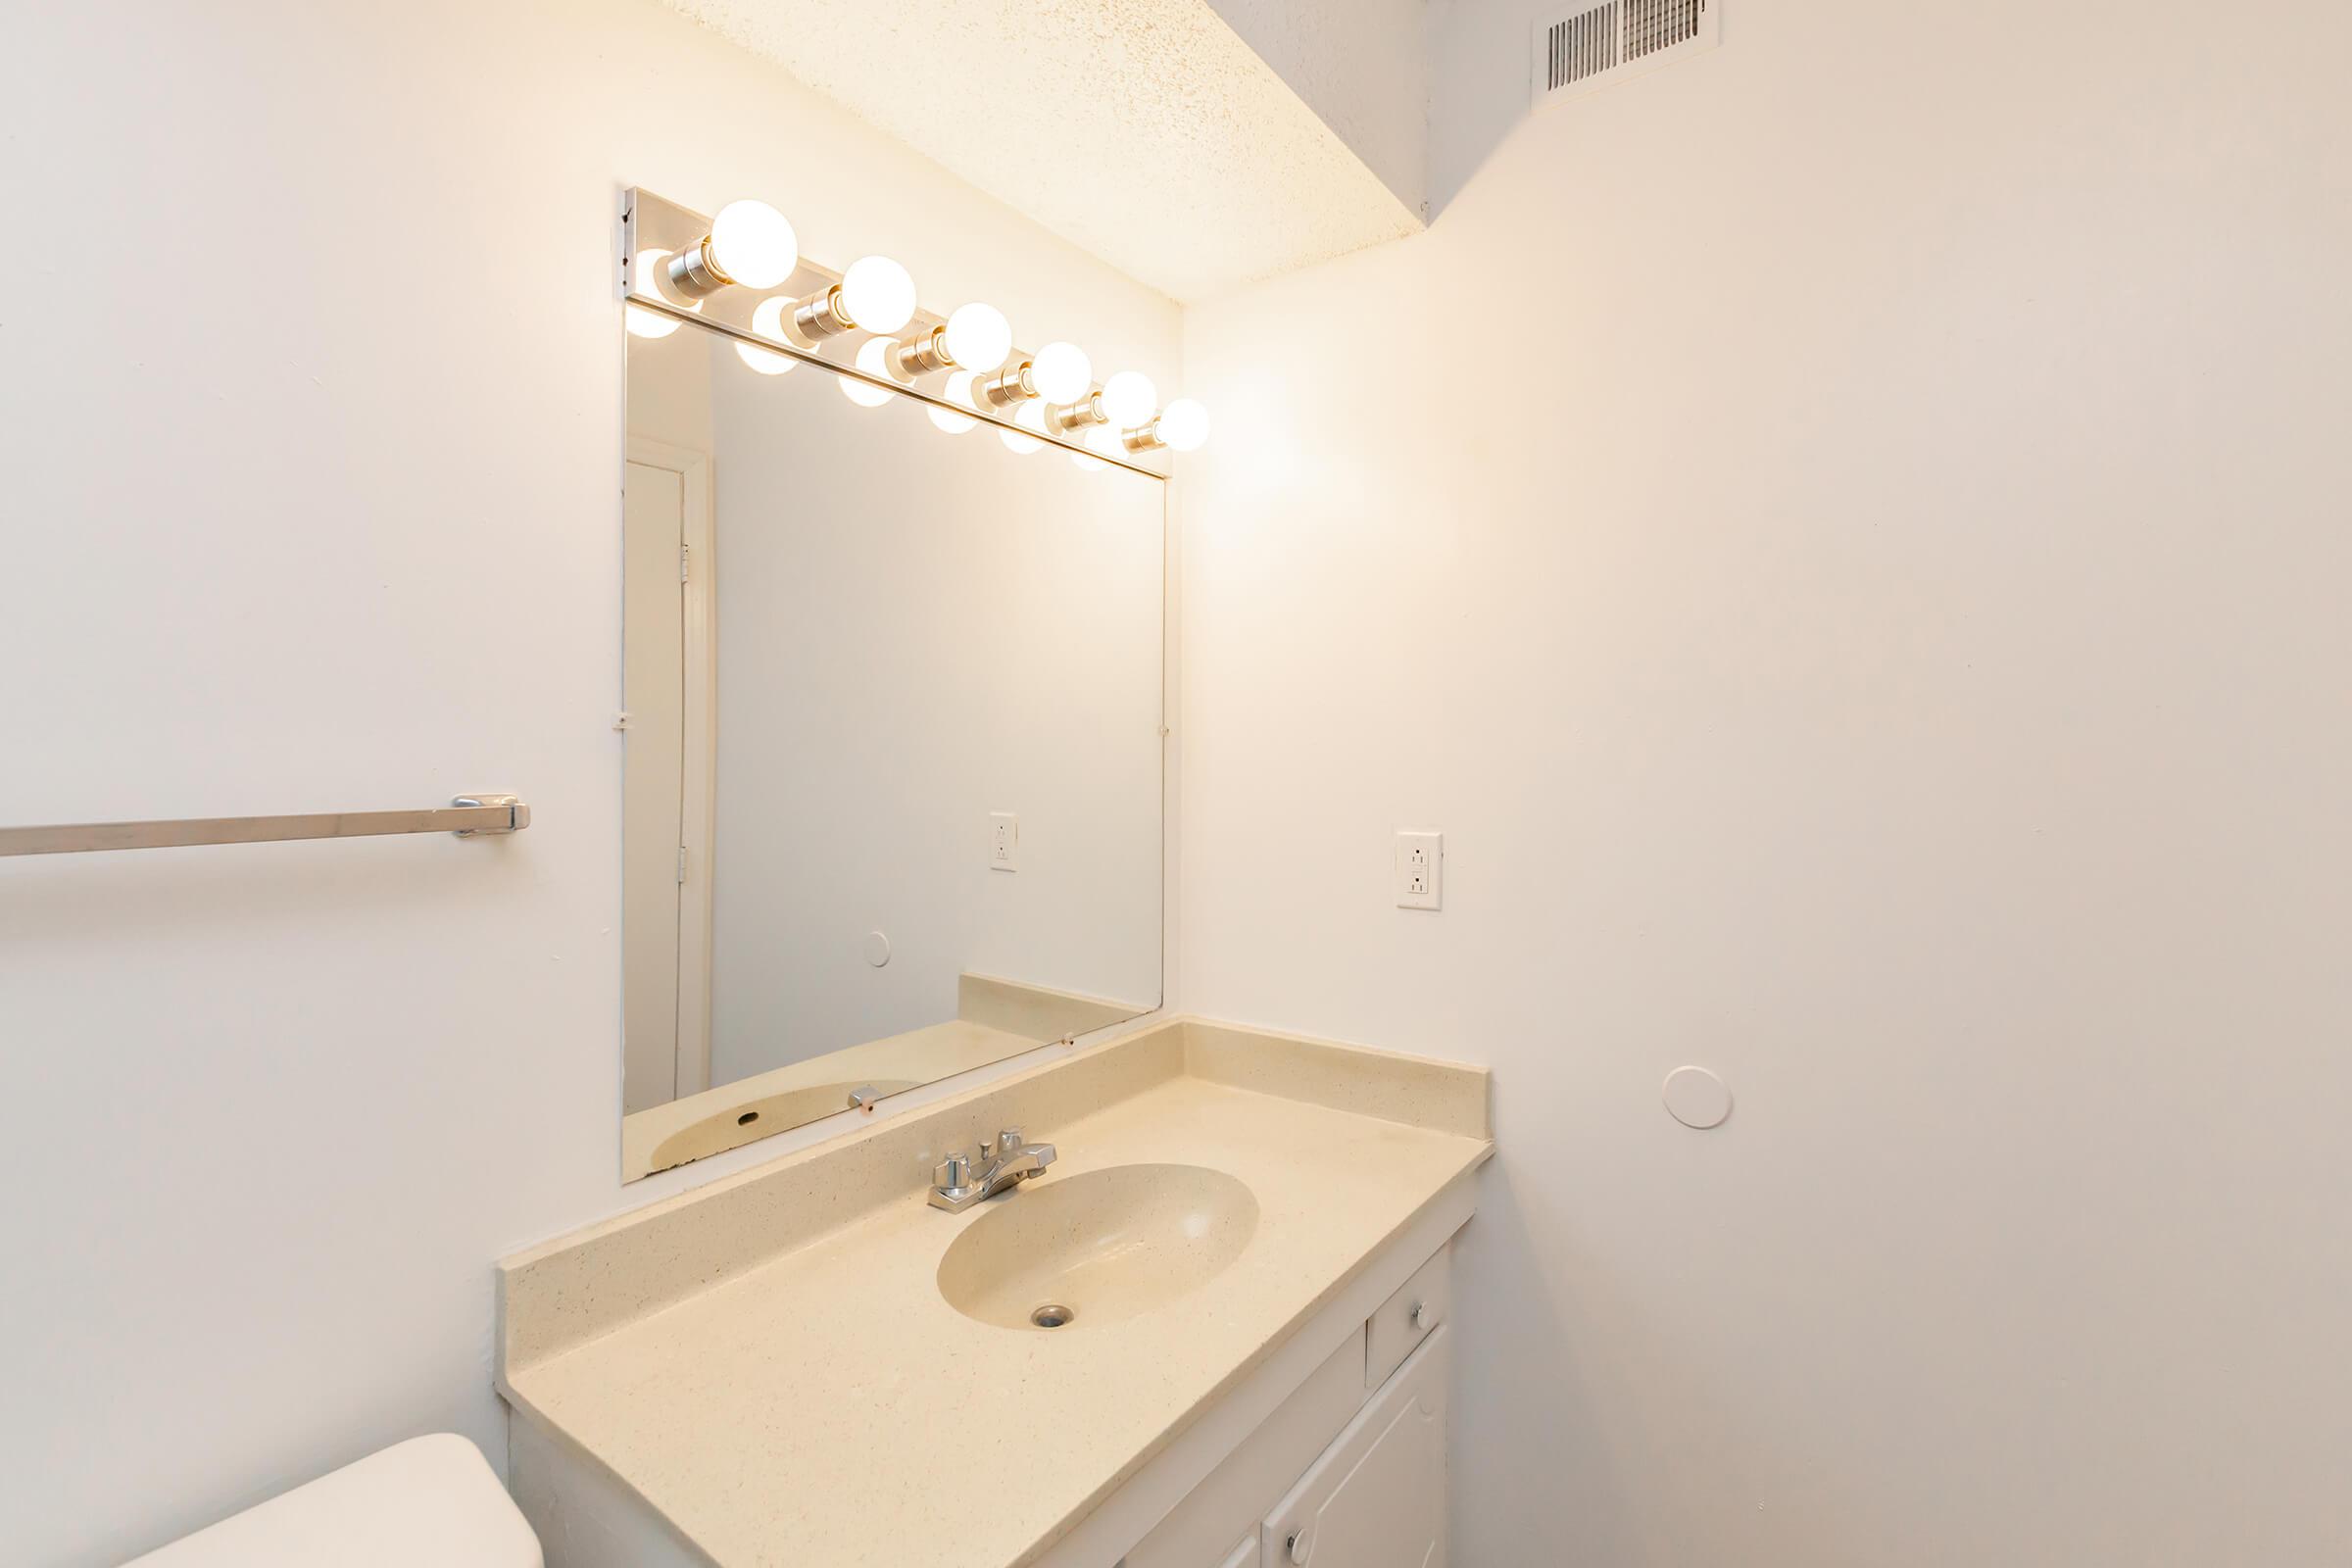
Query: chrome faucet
(960,1181)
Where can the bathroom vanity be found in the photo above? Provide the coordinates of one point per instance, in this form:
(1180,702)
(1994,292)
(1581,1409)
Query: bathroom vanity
(1215,1331)
(894,712)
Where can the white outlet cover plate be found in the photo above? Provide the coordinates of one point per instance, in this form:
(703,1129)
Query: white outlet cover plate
(1003,841)
(1420,871)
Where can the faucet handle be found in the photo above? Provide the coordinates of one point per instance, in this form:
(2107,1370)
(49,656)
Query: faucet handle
(955,1173)
(1009,1141)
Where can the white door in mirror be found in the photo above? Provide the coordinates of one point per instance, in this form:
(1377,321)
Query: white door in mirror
(1005,841)
(1420,871)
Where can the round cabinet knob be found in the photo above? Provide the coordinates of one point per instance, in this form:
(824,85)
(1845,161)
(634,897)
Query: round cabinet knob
(1420,1317)
(1296,1547)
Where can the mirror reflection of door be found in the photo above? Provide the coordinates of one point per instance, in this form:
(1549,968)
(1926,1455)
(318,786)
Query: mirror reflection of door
(665,806)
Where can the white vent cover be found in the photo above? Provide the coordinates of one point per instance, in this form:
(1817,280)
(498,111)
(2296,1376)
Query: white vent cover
(1606,43)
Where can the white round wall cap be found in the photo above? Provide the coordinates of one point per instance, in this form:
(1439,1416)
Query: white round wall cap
(877,949)
(1696,1098)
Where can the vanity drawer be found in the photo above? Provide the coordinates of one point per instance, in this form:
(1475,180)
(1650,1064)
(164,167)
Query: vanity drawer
(1406,1318)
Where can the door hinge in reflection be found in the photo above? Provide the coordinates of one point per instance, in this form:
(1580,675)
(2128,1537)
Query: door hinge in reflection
(684,553)
(681,864)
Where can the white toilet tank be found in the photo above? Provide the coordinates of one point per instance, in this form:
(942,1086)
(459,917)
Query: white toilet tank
(430,1502)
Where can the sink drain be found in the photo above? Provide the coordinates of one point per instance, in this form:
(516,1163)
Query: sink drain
(1052,1315)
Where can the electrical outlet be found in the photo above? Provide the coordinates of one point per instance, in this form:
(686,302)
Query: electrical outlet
(1003,841)
(1420,871)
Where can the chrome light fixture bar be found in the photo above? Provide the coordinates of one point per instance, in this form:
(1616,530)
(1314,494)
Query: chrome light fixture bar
(672,265)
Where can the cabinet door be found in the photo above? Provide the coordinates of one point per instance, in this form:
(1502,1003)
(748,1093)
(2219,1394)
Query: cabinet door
(1377,1497)
(1243,1553)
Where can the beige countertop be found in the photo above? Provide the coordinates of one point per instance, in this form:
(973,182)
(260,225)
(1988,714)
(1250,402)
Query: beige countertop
(769,1361)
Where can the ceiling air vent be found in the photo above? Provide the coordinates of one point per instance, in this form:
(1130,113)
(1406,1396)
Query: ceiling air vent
(1610,42)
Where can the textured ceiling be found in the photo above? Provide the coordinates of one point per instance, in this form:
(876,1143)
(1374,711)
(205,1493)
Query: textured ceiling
(1143,130)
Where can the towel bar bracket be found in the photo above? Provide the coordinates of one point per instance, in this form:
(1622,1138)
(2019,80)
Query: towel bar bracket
(519,819)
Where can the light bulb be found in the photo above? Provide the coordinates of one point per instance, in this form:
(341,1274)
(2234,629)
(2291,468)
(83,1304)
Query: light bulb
(1129,397)
(1060,373)
(1104,441)
(950,420)
(978,337)
(960,389)
(870,360)
(769,319)
(768,362)
(1183,424)
(752,244)
(1031,416)
(877,295)
(642,322)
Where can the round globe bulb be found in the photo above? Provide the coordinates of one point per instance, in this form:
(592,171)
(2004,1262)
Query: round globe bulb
(768,362)
(870,360)
(979,337)
(1061,373)
(1129,397)
(767,318)
(950,420)
(960,388)
(642,322)
(1030,417)
(1184,425)
(877,295)
(754,245)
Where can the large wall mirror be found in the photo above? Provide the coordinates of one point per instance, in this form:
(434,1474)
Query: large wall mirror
(893,777)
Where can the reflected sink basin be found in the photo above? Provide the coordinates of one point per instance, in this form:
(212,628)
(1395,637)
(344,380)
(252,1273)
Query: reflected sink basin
(1097,1248)
(739,1124)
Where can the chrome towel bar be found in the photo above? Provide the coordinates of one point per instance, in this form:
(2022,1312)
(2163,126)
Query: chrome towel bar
(467,817)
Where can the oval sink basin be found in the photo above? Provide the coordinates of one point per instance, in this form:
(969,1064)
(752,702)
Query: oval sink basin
(1097,1248)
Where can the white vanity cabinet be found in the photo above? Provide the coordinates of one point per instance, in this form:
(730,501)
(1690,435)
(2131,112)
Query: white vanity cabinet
(1377,1497)
(1349,1471)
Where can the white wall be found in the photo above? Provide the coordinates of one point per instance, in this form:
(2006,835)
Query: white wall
(311,417)
(1862,591)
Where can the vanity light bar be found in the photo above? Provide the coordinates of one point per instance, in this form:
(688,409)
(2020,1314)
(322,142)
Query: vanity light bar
(751,247)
